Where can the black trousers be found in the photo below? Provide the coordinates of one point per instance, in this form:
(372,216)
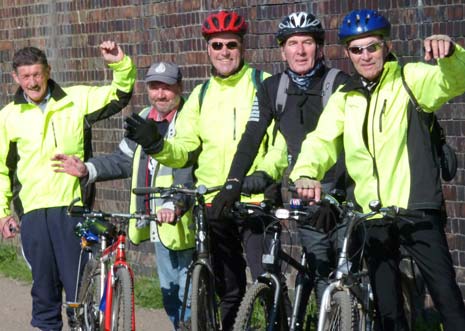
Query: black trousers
(425,240)
(229,238)
(52,251)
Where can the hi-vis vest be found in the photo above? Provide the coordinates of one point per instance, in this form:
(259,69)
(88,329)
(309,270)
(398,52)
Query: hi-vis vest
(180,236)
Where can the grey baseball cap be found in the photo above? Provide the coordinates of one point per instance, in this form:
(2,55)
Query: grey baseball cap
(165,72)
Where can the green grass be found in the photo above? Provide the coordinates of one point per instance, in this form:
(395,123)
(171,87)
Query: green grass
(12,265)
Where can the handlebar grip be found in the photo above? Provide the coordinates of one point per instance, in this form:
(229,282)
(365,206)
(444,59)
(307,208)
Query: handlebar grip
(144,190)
(411,213)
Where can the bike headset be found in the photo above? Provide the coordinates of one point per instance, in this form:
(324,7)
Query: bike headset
(300,23)
(363,22)
(224,21)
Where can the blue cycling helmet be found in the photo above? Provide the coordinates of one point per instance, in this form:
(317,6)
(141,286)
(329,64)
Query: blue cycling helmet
(363,22)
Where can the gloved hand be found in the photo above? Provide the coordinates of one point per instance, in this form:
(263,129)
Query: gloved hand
(230,193)
(308,188)
(325,218)
(256,182)
(144,132)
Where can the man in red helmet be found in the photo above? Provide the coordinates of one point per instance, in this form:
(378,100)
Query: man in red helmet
(208,131)
(390,158)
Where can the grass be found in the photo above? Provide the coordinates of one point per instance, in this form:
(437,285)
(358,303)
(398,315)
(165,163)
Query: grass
(12,265)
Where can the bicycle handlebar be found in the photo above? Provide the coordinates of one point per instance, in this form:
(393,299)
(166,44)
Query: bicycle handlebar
(71,210)
(167,191)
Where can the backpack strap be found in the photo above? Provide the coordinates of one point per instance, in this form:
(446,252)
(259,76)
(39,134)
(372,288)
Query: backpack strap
(203,90)
(328,85)
(257,77)
(281,94)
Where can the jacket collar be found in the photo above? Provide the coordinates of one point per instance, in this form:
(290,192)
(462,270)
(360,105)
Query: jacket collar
(56,92)
(234,78)
(355,81)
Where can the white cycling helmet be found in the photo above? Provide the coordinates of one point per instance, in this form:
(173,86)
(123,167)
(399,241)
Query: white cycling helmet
(300,22)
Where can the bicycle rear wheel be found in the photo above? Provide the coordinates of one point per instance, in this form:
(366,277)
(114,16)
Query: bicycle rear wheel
(122,304)
(204,307)
(342,316)
(89,297)
(255,310)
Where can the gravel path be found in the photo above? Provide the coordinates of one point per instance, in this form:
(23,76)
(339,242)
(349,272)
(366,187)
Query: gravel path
(15,310)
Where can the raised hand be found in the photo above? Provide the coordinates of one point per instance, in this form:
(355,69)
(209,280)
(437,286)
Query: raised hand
(111,52)
(438,46)
(144,132)
(69,164)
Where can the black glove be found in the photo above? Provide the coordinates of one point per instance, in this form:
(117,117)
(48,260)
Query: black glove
(325,218)
(144,132)
(230,193)
(256,182)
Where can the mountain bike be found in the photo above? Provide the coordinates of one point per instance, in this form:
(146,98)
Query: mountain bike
(201,279)
(105,295)
(348,301)
(265,305)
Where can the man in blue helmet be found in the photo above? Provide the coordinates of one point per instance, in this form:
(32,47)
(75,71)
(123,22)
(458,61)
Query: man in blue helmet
(388,154)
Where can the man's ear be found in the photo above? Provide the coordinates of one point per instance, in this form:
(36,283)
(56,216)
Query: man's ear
(346,52)
(283,55)
(15,76)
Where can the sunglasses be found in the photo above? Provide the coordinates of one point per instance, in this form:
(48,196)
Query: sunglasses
(371,48)
(217,46)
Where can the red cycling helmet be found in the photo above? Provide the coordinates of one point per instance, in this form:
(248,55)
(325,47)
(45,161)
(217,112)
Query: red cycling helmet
(224,21)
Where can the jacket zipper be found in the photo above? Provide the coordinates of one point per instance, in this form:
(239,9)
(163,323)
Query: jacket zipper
(381,116)
(54,135)
(234,121)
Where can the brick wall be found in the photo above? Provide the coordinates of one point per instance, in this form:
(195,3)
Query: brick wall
(70,32)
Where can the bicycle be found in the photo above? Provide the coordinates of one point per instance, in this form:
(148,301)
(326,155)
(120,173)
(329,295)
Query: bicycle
(265,304)
(105,295)
(204,303)
(348,301)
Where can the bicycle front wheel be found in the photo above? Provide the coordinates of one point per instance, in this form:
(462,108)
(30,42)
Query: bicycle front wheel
(122,304)
(341,317)
(204,307)
(256,308)
(89,297)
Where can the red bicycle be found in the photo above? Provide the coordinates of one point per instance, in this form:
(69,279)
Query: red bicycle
(105,295)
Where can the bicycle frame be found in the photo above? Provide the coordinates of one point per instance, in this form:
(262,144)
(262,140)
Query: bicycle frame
(272,264)
(202,245)
(360,290)
(110,255)
(118,250)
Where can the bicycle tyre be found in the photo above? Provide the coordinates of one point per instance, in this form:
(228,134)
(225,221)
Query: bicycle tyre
(122,304)
(254,311)
(409,308)
(342,316)
(204,310)
(89,297)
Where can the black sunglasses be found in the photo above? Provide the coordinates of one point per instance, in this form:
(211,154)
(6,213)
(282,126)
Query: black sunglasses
(216,45)
(372,48)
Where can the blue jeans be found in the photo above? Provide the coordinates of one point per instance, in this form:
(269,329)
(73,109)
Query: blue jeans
(172,267)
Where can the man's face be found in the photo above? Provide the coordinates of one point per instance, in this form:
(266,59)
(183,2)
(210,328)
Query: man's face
(33,80)
(368,55)
(301,53)
(225,53)
(163,97)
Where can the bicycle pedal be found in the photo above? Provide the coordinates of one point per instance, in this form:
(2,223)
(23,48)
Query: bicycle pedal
(73,305)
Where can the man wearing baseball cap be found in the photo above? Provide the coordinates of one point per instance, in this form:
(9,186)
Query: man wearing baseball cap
(173,242)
